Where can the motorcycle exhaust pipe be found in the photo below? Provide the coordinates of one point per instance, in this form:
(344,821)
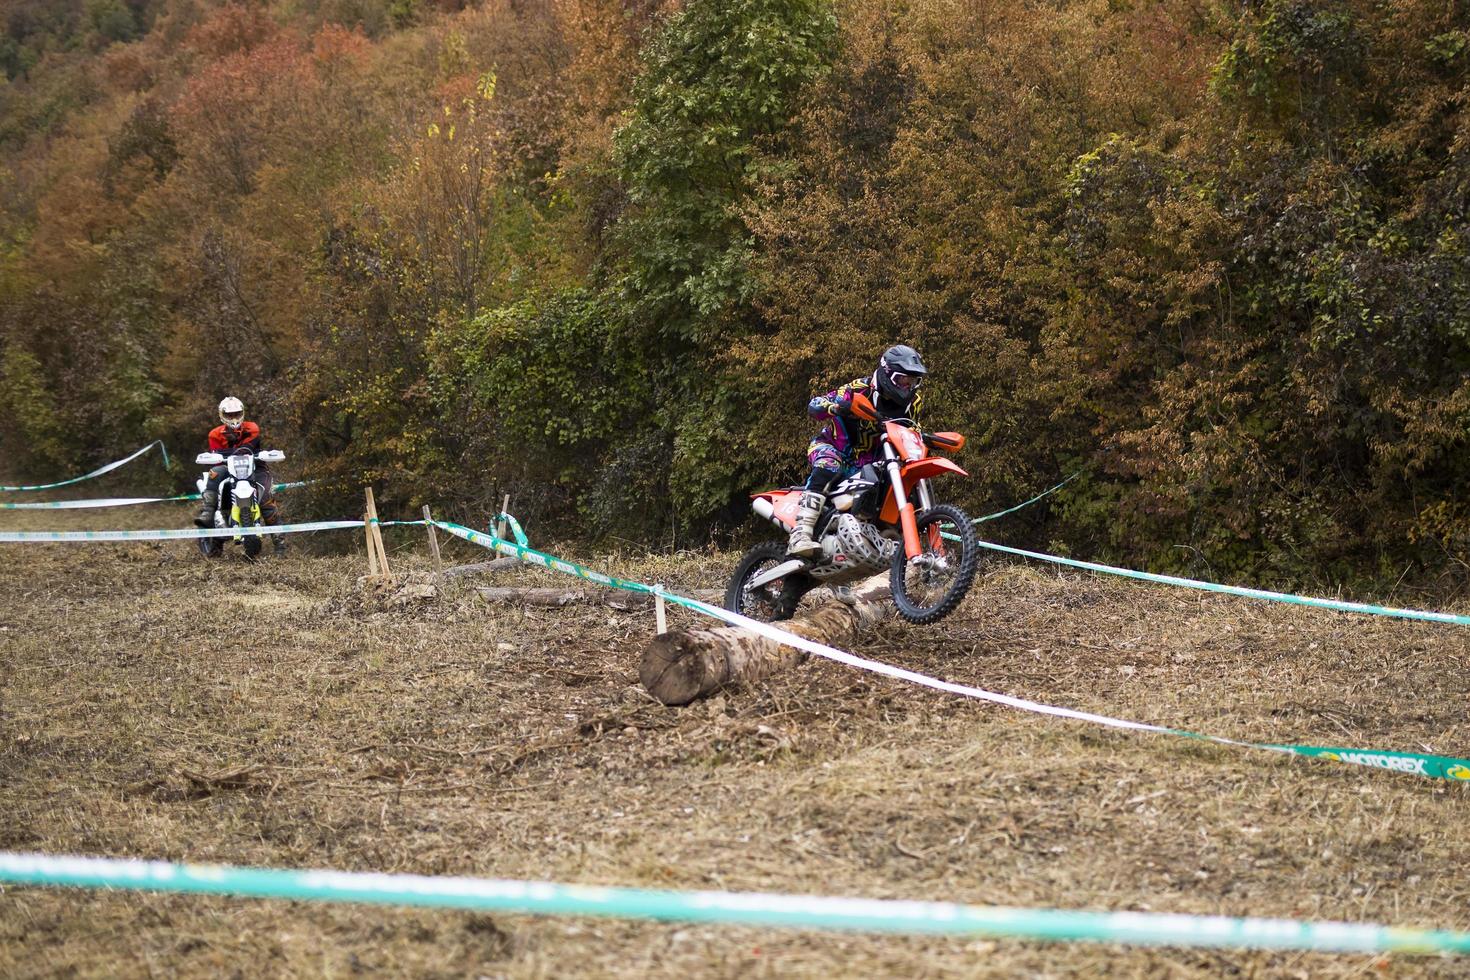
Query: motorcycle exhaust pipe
(766,509)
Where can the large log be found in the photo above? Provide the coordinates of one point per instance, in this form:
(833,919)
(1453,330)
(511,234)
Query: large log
(494,565)
(681,666)
(565,597)
(535,597)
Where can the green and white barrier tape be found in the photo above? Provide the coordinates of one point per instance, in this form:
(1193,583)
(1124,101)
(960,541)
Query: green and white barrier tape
(1028,503)
(170,534)
(515,528)
(1422,764)
(98,472)
(93,503)
(1189,583)
(730,908)
(123,501)
(520,548)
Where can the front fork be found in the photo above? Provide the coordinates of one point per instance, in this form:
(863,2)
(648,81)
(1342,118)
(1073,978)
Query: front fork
(906,521)
(936,534)
(926,499)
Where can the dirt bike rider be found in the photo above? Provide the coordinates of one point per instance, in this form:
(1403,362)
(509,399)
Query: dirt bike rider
(232,434)
(847,443)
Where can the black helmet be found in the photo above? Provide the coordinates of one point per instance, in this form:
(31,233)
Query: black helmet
(900,373)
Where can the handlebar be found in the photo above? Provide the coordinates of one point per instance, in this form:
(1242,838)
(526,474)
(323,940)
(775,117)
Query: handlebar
(212,458)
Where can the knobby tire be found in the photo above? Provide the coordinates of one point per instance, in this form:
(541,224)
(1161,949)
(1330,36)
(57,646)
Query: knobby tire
(969,559)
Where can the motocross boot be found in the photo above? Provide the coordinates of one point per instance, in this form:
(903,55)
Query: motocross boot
(270,516)
(802,544)
(208,501)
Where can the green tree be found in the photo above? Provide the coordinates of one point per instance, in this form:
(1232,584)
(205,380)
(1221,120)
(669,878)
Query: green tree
(721,77)
(34,436)
(112,20)
(720,84)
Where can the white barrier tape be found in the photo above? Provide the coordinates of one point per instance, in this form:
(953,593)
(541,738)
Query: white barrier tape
(97,472)
(169,534)
(1429,765)
(1027,503)
(810,646)
(1426,765)
(89,504)
(888,670)
(121,501)
(1337,605)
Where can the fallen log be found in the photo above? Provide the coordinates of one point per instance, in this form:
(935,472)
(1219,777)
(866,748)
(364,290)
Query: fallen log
(683,665)
(494,565)
(532,597)
(565,597)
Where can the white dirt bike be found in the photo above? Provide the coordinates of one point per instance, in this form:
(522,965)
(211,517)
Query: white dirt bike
(238,505)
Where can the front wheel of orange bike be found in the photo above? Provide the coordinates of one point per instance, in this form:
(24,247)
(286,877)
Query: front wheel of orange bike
(929,586)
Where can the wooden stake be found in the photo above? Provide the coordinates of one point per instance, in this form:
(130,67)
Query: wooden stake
(501,528)
(377,534)
(434,546)
(658,611)
(367,533)
(382,551)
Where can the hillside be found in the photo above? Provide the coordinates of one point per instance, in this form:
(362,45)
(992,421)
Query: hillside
(600,254)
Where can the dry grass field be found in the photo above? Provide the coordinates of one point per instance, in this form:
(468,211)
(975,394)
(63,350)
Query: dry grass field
(154,705)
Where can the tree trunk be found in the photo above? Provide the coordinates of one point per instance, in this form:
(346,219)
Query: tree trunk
(683,665)
(494,565)
(564,597)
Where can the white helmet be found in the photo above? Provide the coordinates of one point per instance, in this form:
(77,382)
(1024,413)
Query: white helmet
(232,412)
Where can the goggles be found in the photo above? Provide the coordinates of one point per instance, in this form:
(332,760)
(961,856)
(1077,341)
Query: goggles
(233,419)
(905,382)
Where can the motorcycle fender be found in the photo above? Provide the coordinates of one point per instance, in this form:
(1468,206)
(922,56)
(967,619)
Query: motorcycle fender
(919,469)
(243,490)
(923,469)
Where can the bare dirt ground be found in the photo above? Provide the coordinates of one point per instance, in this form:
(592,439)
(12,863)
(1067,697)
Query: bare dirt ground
(154,705)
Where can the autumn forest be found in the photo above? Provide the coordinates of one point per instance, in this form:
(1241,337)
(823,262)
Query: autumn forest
(1214,254)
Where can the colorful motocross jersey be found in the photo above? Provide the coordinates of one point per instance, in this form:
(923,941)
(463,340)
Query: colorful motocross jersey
(223,439)
(855,439)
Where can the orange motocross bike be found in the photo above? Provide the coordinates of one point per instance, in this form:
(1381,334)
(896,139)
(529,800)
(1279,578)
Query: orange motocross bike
(883,516)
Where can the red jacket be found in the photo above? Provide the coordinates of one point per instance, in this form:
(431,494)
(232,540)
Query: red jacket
(223,439)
